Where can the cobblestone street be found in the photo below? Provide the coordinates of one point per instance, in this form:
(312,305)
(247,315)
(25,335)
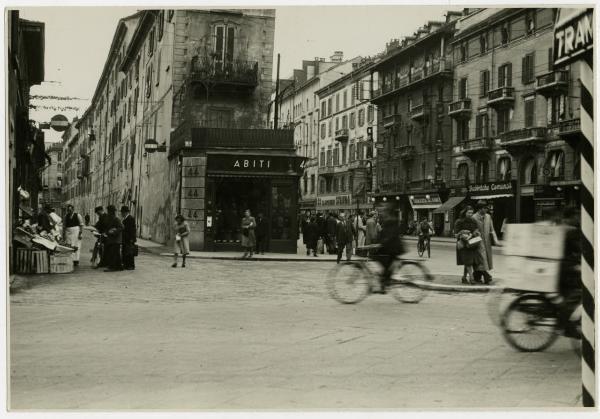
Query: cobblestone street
(248,335)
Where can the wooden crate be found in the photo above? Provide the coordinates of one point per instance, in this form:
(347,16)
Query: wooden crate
(31,261)
(61,263)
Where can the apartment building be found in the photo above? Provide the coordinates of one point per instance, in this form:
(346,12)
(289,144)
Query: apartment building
(299,110)
(511,112)
(51,192)
(177,125)
(345,145)
(415,82)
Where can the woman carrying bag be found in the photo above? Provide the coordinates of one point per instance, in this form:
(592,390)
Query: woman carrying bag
(468,240)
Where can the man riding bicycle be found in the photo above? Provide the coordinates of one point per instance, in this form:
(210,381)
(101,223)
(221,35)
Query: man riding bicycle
(425,231)
(391,245)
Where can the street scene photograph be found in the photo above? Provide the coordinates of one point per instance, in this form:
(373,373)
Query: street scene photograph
(297,208)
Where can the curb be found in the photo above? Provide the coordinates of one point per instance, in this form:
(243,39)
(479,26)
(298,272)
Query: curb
(262,259)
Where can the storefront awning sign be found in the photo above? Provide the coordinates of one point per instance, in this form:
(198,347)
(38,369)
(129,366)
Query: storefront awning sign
(431,201)
(490,190)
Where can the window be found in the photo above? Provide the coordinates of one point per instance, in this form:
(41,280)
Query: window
(335,185)
(336,156)
(137,69)
(322,158)
(556,164)
(345,101)
(462,171)
(220,118)
(462,130)
(151,42)
(484,83)
(483,43)
(370,114)
(395,173)
(557,107)
(529,173)
(407,174)
(329,157)
(481,174)
(329,106)
(502,120)
(462,88)
(344,153)
(158,69)
(352,120)
(323,109)
(161,24)
(337,123)
(351,153)
(505,75)
(530,111)
(462,53)
(481,125)
(343,184)
(423,170)
(530,23)
(337,102)
(224,44)
(323,131)
(322,186)
(504,34)
(344,121)
(149,81)
(312,183)
(504,169)
(528,68)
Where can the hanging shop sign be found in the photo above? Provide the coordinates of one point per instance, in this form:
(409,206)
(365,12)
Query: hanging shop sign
(253,163)
(490,190)
(334,201)
(573,34)
(428,201)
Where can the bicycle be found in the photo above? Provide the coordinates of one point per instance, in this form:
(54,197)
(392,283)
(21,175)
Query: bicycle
(540,326)
(351,282)
(421,247)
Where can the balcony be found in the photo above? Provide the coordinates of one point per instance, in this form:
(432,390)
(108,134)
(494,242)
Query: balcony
(376,93)
(501,97)
(391,120)
(407,152)
(358,164)
(233,73)
(460,109)
(417,74)
(326,170)
(341,134)
(392,187)
(553,83)
(523,138)
(569,129)
(477,147)
(419,112)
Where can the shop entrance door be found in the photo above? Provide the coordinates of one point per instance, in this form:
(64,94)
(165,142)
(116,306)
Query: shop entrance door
(231,198)
(527,209)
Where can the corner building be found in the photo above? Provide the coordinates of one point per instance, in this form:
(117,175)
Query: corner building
(512,112)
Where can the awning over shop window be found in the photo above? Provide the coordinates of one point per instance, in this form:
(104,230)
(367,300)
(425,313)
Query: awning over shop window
(431,201)
(452,202)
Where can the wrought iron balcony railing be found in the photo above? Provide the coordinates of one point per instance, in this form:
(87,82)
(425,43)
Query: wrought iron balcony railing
(208,69)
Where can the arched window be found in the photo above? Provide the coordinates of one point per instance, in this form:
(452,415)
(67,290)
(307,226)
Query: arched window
(556,164)
(462,171)
(504,169)
(529,172)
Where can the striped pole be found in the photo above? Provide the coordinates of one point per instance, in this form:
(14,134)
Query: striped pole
(586,146)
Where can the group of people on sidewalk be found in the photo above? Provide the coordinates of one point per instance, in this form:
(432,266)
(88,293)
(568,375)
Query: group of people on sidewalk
(475,236)
(117,237)
(336,232)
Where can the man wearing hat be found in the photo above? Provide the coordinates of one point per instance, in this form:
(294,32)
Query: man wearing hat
(114,230)
(100,227)
(129,239)
(488,239)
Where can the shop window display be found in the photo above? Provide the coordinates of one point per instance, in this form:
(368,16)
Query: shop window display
(281,205)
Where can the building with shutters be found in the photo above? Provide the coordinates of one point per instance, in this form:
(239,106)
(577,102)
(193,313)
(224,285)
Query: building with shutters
(415,83)
(511,112)
(347,128)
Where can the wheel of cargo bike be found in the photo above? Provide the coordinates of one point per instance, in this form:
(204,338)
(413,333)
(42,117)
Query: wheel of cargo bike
(408,280)
(529,323)
(348,283)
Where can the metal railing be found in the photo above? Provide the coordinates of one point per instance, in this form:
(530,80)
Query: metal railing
(480,143)
(459,106)
(501,93)
(569,126)
(559,76)
(533,133)
(234,71)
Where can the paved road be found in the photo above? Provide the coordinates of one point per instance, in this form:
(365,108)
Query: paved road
(249,335)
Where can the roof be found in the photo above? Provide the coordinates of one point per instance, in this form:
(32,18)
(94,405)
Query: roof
(341,82)
(495,18)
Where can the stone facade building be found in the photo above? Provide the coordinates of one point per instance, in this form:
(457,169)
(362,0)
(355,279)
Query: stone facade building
(52,177)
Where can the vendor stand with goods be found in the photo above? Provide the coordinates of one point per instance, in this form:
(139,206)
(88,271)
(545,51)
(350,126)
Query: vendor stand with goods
(38,249)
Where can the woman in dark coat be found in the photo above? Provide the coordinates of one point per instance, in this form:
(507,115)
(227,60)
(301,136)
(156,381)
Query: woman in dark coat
(311,236)
(466,228)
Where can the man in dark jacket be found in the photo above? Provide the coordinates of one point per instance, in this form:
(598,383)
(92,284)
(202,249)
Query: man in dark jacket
(100,227)
(391,244)
(114,231)
(261,231)
(331,224)
(321,229)
(129,239)
(344,235)
(311,236)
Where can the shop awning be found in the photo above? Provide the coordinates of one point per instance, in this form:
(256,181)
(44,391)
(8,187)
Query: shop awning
(452,202)
(429,201)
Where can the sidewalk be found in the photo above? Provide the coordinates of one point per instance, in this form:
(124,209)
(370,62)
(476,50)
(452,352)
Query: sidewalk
(443,282)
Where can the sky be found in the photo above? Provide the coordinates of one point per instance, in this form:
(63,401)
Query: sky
(78,39)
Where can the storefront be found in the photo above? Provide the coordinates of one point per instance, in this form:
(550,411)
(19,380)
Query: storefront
(423,205)
(264,184)
(500,197)
(446,215)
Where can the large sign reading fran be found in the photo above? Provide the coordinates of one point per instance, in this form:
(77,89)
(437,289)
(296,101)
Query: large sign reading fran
(573,34)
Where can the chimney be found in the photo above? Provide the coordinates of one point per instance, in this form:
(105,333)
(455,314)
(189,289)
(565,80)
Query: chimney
(310,72)
(337,57)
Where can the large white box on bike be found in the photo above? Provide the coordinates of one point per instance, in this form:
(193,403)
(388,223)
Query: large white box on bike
(535,240)
(531,274)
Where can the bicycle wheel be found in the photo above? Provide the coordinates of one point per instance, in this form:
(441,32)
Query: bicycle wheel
(407,280)
(420,248)
(348,283)
(529,323)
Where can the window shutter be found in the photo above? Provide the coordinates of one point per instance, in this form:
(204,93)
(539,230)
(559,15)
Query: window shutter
(532,67)
(509,74)
(230,44)
(550,59)
(501,80)
(482,83)
(524,69)
(529,112)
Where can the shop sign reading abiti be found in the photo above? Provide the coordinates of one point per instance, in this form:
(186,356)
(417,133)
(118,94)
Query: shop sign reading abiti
(237,163)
